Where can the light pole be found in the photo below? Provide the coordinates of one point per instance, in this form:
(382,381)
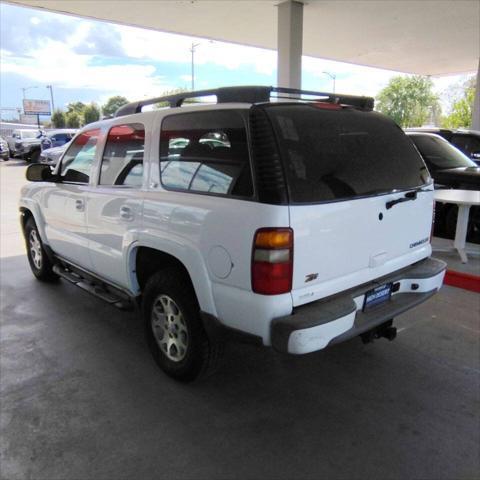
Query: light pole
(192,51)
(333,77)
(50,87)
(24,89)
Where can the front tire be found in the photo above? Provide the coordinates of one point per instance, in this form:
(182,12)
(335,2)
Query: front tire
(40,264)
(35,156)
(174,330)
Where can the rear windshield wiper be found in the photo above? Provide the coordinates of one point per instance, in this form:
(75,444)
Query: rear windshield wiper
(409,196)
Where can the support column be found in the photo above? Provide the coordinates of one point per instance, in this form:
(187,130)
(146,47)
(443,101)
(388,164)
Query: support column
(289,44)
(476,103)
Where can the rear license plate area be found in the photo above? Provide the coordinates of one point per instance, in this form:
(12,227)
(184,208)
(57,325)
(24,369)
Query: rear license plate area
(377,295)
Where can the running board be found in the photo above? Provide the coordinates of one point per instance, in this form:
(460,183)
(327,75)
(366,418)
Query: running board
(99,289)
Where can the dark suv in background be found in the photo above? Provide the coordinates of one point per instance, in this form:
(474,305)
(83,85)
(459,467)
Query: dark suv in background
(450,168)
(468,141)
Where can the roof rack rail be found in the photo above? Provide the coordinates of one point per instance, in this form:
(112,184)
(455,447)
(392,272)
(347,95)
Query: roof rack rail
(249,94)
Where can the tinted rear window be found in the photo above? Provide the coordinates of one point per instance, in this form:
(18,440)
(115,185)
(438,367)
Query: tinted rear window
(331,155)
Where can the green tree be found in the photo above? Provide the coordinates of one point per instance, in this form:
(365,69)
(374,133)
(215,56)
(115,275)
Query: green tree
(58,119)
(408,100)
(91,113)
(113,104)
(73,119)
(172,92)
(461,113)
(77,107)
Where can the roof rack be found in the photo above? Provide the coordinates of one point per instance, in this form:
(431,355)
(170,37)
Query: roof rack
(250,94)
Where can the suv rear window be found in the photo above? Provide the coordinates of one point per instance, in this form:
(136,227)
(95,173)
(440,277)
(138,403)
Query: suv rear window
(334,154)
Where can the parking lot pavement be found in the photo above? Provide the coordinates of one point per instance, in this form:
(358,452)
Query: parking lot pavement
(81,398)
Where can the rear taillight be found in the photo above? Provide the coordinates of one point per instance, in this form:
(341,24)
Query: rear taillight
(272,261)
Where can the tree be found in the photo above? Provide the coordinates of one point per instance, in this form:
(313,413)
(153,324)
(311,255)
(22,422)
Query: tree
(409,101)
(461,113)
(77,107)
(113,104)
(73,120)
(172,92)
(91,113)
(58,119)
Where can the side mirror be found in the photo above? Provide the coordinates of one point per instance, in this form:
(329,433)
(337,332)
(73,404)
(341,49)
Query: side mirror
(475,155)
(39,173)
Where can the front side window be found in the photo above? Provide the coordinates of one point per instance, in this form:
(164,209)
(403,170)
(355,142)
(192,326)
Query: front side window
(78,159)
(206,152)
(122,161)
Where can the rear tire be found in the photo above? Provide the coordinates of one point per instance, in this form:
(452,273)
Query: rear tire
(174,331)
(39,262)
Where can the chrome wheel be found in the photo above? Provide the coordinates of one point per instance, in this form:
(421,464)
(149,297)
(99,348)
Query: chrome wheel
(169,328)
(35,249)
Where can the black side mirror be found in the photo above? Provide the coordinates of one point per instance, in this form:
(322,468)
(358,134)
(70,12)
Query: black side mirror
(39,173)
(475,155)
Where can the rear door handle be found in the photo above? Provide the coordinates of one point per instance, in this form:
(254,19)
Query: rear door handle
(126,213)
(79,205)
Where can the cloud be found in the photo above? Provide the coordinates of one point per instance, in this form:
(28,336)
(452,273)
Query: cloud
(77,72)
(166,47)
(98,40)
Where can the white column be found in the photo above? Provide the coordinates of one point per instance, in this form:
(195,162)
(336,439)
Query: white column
(476,103)
(289,44)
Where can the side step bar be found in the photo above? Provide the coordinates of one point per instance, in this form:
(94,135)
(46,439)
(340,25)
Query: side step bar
(99,289)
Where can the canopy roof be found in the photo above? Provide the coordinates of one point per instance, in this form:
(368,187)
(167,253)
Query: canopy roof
(428,37)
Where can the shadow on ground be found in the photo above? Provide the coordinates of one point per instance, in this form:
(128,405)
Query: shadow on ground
(81,398)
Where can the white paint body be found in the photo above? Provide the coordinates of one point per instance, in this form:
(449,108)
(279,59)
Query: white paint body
(344,242)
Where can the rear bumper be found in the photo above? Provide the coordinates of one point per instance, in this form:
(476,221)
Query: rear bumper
(313,326)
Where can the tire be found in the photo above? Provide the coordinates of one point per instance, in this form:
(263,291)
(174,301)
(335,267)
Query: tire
(34,157)
(40,264)
(174,331)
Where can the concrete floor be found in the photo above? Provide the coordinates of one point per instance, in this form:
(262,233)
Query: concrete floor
(82,399)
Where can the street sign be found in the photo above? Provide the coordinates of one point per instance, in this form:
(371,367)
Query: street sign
(36,107)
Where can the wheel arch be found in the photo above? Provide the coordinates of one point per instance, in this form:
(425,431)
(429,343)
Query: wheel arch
(31,210)
(145,260)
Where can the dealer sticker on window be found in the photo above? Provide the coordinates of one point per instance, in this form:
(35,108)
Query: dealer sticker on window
(377,295)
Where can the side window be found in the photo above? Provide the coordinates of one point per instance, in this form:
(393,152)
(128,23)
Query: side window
(122,161)
(78,159)
(206,152)
(466,143)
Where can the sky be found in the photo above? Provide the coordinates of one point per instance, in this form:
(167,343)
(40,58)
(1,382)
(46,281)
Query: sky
(90,61)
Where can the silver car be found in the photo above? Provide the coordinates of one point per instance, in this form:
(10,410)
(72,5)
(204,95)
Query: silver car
(4,150)
(50,156)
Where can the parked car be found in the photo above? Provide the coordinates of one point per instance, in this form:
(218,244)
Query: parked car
(57,138)
(309,223)
(4,150)
(467,141)
(23,142)
(450,168)
(51,156)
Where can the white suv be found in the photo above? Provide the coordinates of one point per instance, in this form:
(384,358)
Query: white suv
(295,224)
